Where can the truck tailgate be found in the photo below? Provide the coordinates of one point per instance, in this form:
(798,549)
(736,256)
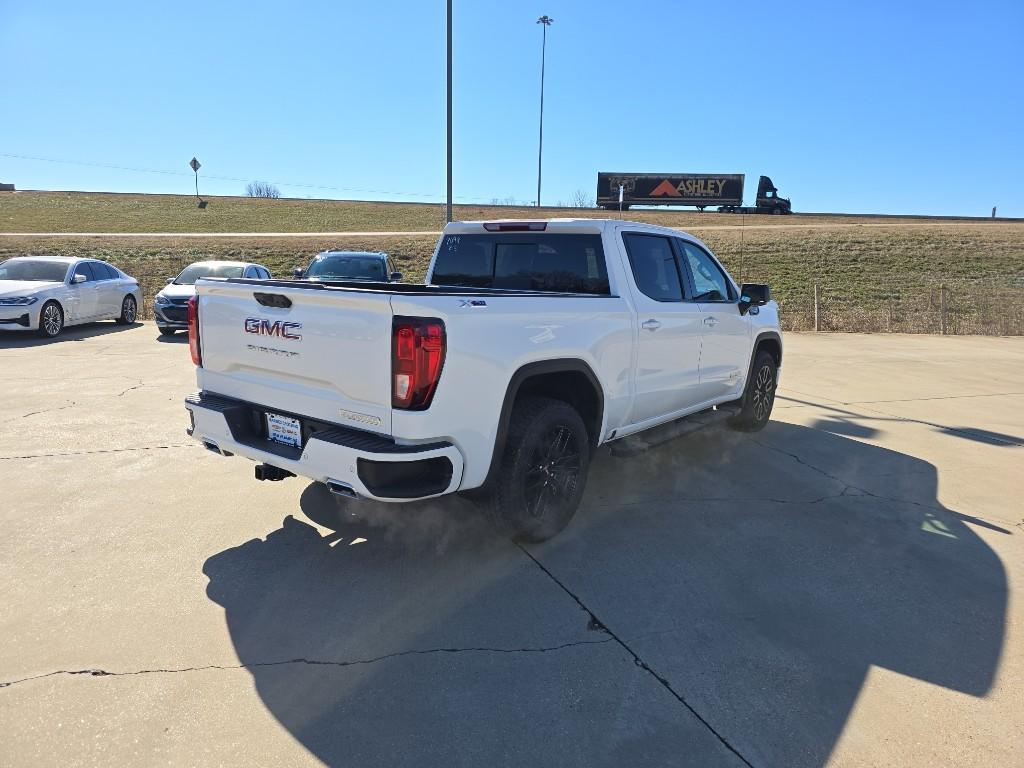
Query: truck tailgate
(322,353)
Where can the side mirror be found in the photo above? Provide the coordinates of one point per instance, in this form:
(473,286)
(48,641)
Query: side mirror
(753,295)
(78,279)
(396,277)
(168,281)
(298,272)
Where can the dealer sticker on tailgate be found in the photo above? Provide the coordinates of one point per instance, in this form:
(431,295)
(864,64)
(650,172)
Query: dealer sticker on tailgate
(284,430)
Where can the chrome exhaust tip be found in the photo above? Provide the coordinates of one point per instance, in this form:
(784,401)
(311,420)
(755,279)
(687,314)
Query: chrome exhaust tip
(339,488)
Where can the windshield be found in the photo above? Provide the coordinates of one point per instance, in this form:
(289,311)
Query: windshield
(190,274)
(347,267)
(35,270)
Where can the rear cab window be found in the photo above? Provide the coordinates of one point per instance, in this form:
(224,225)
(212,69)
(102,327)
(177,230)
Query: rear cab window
(523,261)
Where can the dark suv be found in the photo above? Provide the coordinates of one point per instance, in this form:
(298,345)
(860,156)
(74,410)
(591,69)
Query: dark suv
(350,265)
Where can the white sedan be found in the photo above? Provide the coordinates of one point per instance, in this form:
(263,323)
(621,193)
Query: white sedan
(47,293)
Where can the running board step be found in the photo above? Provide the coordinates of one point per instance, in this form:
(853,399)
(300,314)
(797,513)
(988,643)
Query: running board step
(655,436)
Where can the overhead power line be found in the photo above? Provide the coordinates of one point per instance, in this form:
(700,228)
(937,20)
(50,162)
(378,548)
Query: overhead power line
(233,178)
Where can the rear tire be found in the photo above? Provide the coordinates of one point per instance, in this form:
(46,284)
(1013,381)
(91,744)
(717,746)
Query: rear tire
(129,311)
(758,397)
(51,320)
(543,470)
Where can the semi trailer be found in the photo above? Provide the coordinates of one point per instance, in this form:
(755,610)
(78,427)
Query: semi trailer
(701,190)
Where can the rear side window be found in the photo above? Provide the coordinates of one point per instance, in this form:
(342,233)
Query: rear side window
(528,261)
(654,266)
(107,271)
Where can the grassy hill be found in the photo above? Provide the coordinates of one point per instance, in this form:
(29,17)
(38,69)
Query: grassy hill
(873,274)
(114,212)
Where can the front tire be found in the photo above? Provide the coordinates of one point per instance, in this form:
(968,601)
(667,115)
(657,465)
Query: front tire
(168,331)
(129,311)
(759,395)
(543,470)
(51,320)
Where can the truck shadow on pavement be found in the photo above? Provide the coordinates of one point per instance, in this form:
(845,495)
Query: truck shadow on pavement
(760,577)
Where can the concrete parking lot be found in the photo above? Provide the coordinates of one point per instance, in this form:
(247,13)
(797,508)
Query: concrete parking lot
(842,588)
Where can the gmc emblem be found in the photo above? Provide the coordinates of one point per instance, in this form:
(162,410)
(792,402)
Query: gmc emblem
(263,327)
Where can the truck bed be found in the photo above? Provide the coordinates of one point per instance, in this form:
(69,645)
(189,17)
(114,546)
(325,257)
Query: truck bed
(413,289)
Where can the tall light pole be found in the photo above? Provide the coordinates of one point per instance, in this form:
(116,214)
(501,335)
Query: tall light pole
(448,207)
(545,22)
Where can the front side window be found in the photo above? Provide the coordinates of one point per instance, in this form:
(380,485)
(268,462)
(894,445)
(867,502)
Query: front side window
(85,270)
(33,270)
(709,282)
(527,261)
(654,266)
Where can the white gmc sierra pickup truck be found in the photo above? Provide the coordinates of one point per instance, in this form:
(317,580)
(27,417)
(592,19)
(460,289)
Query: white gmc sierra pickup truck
(531,344)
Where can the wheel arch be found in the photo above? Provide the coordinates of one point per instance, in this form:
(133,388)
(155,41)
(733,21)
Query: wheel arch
(769,341)
(56,300)
(568,379)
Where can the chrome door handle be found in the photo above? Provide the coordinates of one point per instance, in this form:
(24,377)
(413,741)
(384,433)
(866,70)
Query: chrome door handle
(650,325)
(712,321)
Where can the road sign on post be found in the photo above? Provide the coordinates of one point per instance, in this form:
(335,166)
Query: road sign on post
(195,165)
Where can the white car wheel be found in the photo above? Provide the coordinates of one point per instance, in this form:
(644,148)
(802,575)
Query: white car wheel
(129,311)
(51,320)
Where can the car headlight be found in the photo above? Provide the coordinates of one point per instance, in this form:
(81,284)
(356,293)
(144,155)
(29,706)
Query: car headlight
(162,299)
(19,301)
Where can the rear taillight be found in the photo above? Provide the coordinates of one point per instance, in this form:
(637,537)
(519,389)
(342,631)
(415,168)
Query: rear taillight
(193,331)
(417,356)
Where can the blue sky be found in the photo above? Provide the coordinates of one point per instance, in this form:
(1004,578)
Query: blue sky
(883,107)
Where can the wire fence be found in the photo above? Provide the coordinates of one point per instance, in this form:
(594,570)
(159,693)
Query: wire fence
(945,308)
(981,307)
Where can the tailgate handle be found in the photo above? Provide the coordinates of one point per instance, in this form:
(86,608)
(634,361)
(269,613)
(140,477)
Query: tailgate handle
(273,300)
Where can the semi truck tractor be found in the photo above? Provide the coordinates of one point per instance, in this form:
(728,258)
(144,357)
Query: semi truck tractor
(701,190)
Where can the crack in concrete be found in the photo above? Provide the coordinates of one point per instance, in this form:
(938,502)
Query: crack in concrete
(848,487)
(810,466)
(49,410)
(136,386)
(596,624)
(101,450)
(924,399)
(308,662)
(876,414)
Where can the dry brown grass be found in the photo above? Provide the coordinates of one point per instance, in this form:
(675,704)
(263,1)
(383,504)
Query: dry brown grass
(874,275)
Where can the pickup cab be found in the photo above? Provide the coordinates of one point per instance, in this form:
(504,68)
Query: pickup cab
(531,344)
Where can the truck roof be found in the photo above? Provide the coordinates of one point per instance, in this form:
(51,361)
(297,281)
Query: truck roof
(588,225)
